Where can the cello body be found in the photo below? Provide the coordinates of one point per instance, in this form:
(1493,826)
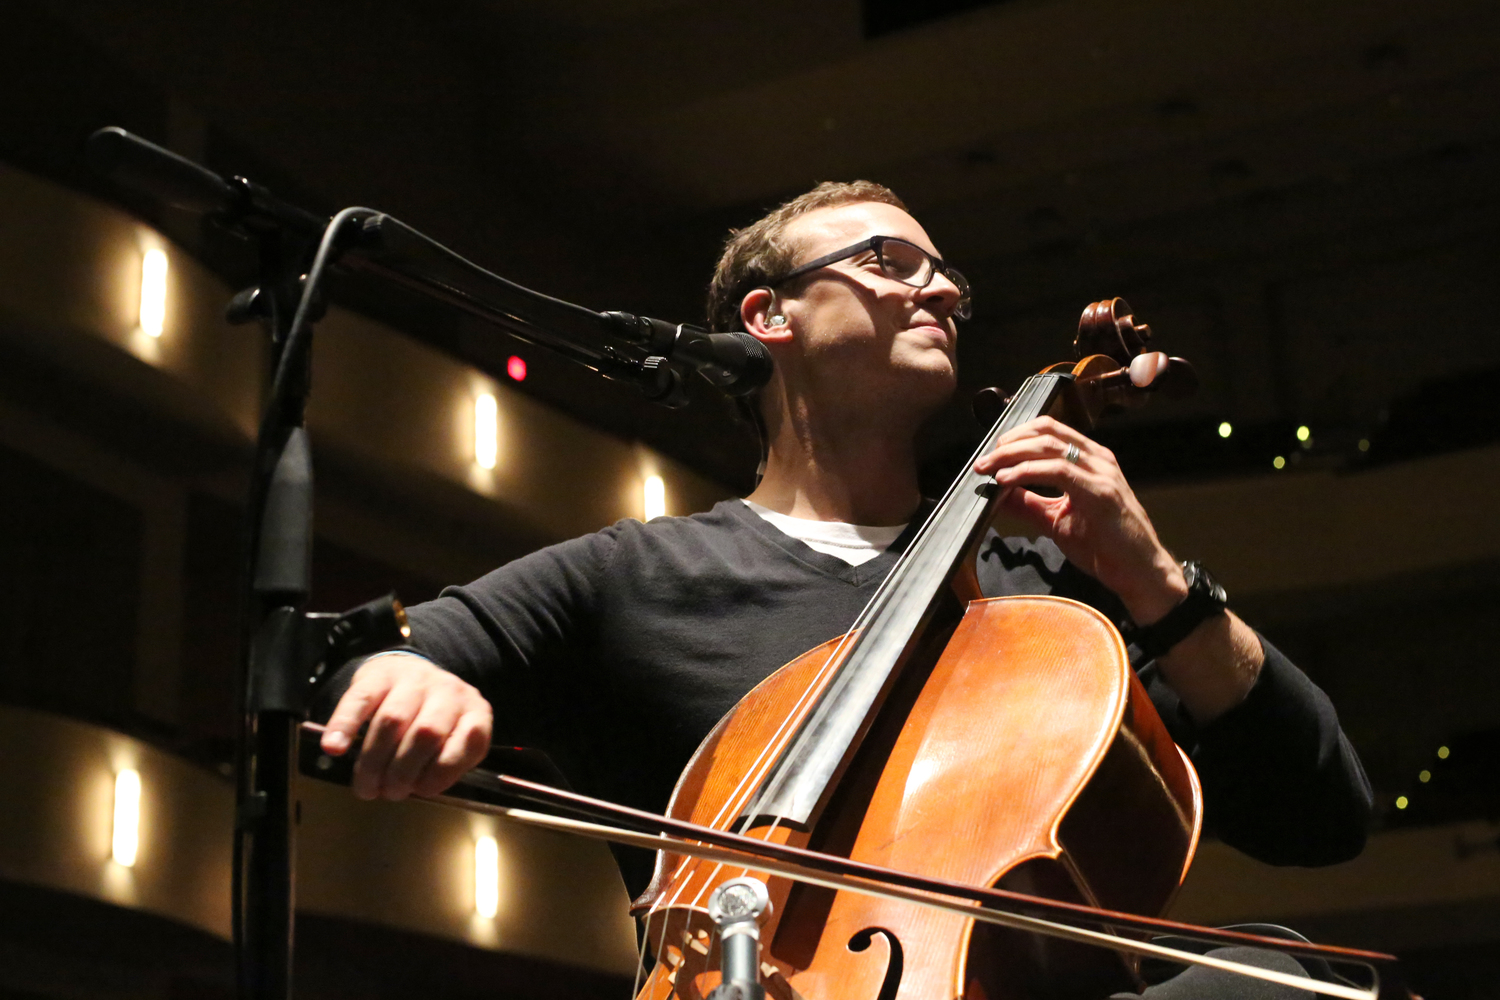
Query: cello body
(1022,752)
(992,742)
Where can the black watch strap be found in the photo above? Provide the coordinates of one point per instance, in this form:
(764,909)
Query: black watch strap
(1205,598)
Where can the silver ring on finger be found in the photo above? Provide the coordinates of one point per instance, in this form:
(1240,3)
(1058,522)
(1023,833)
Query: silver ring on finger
(1072,454)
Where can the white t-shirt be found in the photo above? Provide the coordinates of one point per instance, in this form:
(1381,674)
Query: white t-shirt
(853,543)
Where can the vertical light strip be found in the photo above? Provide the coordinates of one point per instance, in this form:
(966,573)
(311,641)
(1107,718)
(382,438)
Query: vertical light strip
(486,430)
(655,497)
(486,877)
(127,832)
(153,292)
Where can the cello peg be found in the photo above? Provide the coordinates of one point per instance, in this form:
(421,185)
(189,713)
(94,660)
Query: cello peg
(988,404)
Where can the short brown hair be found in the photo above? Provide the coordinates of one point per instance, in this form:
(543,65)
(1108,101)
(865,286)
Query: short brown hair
(759,254)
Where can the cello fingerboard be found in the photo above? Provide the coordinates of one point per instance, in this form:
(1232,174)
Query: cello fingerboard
(886,633)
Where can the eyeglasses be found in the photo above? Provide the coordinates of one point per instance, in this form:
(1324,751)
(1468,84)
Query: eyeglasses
(903,261)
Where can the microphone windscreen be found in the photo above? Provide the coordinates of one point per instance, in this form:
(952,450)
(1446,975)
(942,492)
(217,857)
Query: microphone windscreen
(747,358)
(132,161)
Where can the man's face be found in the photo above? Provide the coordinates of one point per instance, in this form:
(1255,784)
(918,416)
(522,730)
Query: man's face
(857,329)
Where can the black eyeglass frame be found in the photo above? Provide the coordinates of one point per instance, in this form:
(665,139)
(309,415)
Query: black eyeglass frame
(963,310)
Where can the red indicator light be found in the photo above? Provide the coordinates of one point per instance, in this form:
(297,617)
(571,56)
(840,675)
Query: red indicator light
(516,368)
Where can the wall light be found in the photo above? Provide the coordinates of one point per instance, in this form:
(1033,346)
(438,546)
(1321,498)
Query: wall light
(153,291)
(486,877)
(486,430)
(127,831)
(655,497)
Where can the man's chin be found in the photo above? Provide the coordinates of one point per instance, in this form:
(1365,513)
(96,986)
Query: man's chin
(933,382)
(934,365)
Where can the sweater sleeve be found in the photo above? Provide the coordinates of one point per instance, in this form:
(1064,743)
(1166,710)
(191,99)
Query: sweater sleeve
(1281,781)
(512,632)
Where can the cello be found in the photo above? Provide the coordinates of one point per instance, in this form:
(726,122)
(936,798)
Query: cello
(993,742)
(946,745)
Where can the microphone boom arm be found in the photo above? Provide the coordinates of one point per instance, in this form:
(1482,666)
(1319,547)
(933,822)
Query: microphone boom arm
(619,345)
(648,352)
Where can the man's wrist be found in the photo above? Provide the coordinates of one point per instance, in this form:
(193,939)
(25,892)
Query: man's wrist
(1150,604)
(1203,599)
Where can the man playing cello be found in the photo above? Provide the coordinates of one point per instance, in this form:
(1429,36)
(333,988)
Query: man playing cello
(570,648)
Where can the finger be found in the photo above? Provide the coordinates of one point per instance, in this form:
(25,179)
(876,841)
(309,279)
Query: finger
(1056,428)
(465,748)
(1058,473)
(420,745)
(1049,439)
(383,738)
(1043,427)
(369,688)
(1027,506)
(1028,449)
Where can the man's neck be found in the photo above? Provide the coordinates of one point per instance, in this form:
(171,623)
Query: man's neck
(858,474)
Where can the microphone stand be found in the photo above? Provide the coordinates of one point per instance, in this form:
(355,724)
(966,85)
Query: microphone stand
(287,650)
(278,575)
(276,634)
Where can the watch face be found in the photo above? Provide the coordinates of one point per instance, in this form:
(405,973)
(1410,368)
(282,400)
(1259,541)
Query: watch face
(1200,582)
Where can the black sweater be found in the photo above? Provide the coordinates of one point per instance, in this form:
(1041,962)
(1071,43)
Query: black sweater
(617,652)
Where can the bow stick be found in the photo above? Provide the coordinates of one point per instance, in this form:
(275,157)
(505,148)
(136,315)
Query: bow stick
(637,828)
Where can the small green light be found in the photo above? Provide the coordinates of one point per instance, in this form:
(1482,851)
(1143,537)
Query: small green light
(1226,429)
(1364,444)
(1304,433)
(1424,776)
(1401,802)
(1442,753)
(1278,462)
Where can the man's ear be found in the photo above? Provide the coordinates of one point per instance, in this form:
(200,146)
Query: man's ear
(764,318)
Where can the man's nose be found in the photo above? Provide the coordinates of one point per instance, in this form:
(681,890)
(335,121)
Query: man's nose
(941,290)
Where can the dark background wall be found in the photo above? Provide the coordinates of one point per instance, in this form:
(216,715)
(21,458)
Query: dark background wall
(1299,198)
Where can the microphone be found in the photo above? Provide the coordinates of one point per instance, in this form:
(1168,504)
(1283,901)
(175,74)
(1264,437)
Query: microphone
(131,161)
(734,362)
(738,907)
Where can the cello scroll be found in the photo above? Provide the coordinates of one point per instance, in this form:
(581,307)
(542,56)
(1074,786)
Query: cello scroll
(1112,370)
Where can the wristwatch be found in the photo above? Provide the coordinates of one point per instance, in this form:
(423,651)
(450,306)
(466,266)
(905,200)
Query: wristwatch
(1205,598)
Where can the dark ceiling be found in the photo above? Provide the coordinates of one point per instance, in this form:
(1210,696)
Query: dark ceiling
(1299,197)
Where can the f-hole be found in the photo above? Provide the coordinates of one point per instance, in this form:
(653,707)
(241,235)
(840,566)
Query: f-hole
(892,983)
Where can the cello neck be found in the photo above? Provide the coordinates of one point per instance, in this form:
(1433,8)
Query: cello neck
(887,632)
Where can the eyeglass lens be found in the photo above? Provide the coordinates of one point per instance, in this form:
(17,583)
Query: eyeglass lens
(910,264)
(905,262)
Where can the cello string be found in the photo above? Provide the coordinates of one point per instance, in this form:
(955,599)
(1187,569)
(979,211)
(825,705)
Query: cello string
(899,577)
(737,798)
(895,586)
(737,801)
(900,581)
(894,590)
(640,962)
